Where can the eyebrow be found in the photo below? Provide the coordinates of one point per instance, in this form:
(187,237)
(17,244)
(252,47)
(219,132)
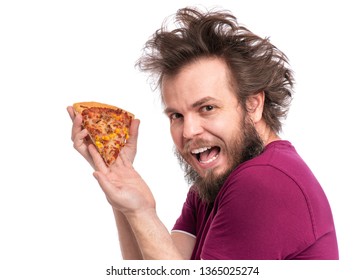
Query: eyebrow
(198,103)
(202,101)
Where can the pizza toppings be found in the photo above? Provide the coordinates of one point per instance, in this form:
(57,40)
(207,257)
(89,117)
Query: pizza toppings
(108,127)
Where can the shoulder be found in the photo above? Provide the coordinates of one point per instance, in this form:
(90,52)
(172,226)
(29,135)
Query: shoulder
(269,176)
(265,197)
(277,166)
(261,183)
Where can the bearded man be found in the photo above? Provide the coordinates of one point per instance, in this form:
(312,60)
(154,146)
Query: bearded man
(225,91)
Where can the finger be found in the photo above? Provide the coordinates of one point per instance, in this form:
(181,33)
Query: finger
(77,126)
(71,112)
(122,160)
(99,163)
(134,132)
(104,183)
(126,161)
(79,139)
(107,187)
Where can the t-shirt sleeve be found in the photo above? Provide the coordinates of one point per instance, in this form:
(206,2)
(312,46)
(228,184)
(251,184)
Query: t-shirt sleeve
(261,214)
(187,220)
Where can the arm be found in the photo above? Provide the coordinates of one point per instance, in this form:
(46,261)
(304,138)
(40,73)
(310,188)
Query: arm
(127,192)
(128,244)
(154,239)
(184,243)
(132,231)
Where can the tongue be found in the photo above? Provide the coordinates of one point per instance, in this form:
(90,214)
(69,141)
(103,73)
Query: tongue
(206,155)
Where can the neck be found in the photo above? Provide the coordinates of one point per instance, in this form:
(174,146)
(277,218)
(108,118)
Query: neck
(266,133)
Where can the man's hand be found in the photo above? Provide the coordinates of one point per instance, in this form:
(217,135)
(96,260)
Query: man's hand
(125,190)
(79,136)
(81,140)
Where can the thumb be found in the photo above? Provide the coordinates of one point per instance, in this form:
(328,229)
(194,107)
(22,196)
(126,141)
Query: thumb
(131,143)
(133,132)
(103,181)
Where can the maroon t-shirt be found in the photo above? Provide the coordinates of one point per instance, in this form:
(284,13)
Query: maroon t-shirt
(270,207)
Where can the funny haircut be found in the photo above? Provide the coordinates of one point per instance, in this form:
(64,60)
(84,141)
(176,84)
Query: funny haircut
(255,64)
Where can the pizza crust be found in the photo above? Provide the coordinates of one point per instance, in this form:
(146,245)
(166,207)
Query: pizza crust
(80,106)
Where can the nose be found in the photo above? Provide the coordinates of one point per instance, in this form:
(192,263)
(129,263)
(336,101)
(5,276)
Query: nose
(191,127)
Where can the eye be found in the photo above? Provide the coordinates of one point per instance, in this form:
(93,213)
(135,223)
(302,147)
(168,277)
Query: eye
(207,108)
(175,116)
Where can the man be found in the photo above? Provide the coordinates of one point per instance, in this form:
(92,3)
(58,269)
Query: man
(225,91)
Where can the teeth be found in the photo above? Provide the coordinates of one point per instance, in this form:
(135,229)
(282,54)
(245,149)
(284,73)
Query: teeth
(200,150)
(210,160)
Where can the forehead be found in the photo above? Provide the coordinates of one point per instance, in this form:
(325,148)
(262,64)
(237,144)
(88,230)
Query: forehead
(206,77)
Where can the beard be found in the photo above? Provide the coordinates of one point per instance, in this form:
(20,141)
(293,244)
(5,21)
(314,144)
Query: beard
(245,146)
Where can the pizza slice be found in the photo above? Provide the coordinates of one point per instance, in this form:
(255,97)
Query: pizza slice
(107,125)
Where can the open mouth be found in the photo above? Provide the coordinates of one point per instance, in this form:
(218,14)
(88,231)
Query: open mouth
(206,154)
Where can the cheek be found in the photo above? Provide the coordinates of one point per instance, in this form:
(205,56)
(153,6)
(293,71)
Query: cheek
(219,127)
(176,137)
(226,128)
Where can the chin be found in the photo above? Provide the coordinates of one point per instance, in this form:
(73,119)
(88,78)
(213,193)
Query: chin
(212,172)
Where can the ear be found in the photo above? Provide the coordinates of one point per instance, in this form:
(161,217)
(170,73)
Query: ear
(255,106)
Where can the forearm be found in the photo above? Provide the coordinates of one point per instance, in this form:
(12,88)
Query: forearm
(128,244)
(127,192)
(155,242)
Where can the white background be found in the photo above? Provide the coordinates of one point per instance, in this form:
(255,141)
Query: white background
(55,222)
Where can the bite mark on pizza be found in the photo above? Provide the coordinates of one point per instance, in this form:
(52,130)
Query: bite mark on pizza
(107,125)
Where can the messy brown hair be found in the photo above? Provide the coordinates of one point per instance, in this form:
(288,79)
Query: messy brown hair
(255,64)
